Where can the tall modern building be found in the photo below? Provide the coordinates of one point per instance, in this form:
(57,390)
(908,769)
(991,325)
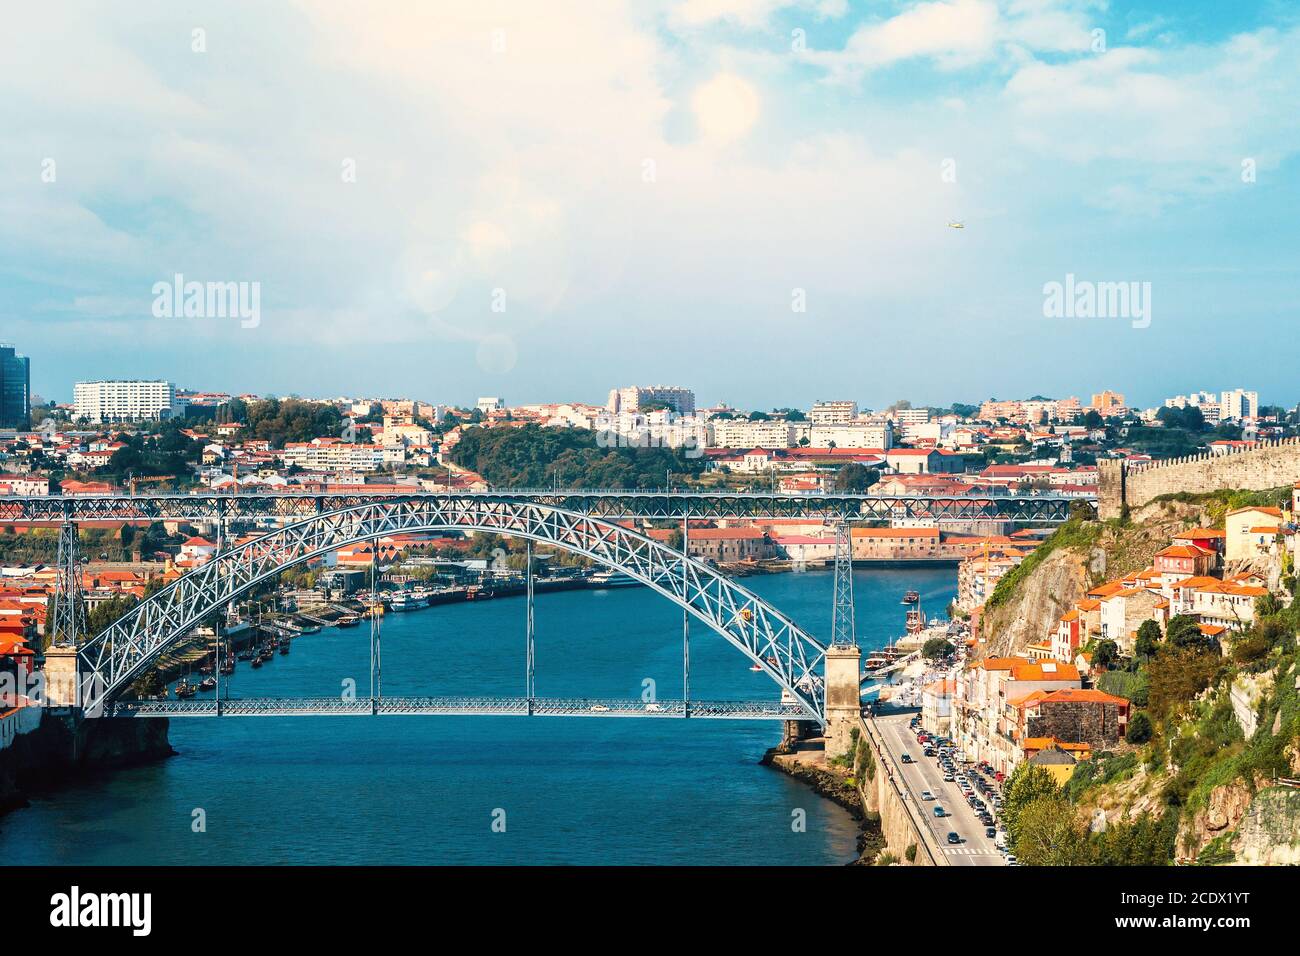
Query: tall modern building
(1239,403)
(101,402)
(833,413)
(635,398)
(15,389)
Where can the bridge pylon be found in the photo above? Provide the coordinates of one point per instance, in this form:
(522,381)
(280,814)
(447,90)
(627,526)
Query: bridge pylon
(67,623)
(843,697)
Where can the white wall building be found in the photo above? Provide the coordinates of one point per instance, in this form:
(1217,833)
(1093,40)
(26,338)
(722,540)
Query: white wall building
(333,456)
(833,413)
(635,398)
(1239,403)
(853,435)
(742,433)
(125,401)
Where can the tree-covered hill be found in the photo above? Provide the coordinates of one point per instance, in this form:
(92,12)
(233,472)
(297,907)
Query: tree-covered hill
(532,456)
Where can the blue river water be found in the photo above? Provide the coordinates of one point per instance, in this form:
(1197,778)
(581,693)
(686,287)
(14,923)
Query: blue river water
(427,790)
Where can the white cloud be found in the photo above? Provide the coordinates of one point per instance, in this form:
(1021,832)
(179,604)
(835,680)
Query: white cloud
(749,14)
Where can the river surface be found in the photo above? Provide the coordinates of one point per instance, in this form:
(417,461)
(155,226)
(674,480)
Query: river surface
(417,790)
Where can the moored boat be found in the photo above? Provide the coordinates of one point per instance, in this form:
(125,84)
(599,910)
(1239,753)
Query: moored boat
(601,580)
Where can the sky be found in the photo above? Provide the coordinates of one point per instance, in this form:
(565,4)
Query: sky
(752,198)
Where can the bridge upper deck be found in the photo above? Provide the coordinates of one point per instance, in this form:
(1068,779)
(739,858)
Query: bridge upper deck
(602,503)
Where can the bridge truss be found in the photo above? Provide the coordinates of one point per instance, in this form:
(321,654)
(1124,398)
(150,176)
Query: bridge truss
(114,658)
(461,706)
(610,503)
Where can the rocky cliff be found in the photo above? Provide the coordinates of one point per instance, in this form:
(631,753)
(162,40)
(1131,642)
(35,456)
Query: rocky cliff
(1044,595)
(1087,554)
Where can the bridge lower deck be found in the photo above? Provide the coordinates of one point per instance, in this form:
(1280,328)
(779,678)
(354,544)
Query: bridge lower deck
(460,707)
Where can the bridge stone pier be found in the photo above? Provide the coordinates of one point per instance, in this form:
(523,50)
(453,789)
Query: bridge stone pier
(61,676)
(843,697)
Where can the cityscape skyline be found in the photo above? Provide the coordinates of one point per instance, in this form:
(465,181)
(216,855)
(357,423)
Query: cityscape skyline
(826,395)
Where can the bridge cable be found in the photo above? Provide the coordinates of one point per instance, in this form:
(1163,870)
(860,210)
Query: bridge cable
(216,624)
(531,676)
(686,614)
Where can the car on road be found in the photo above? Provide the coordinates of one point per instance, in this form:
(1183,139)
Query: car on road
(953,837)
(653,708)
(907,758)
(939,811)
(990,832)
(926,795)
(599,709)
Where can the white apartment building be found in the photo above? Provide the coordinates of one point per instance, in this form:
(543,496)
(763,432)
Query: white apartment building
(489,404)
(659,429)
(833,412)
(853,435)
(910,416)
(1239,403)
(333,456)
(1234,404)
(123,401)
(1195,399)
(742,433)
(635,398)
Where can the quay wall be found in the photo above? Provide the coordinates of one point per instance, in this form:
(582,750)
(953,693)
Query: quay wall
(1258,468)
(885,796)
(51,747)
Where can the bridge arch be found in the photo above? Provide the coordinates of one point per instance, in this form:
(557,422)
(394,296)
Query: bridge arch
(789,655)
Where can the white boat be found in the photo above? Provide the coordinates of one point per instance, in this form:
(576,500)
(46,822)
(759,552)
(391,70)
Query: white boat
(400,602)
(612,579)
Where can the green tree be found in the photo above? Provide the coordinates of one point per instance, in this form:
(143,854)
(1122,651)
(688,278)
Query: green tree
(1139,728)
(1049,833)
(855,478)
(1177,674)
(1027,783)
(1142,842)
(1105,654)
(1148,640)
(1184,630)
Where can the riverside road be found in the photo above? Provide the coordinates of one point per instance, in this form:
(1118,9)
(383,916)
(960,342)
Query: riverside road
(976,849)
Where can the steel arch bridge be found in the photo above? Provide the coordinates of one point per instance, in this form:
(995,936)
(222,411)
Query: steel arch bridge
(789,655)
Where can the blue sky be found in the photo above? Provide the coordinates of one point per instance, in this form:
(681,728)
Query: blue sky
(646,185)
